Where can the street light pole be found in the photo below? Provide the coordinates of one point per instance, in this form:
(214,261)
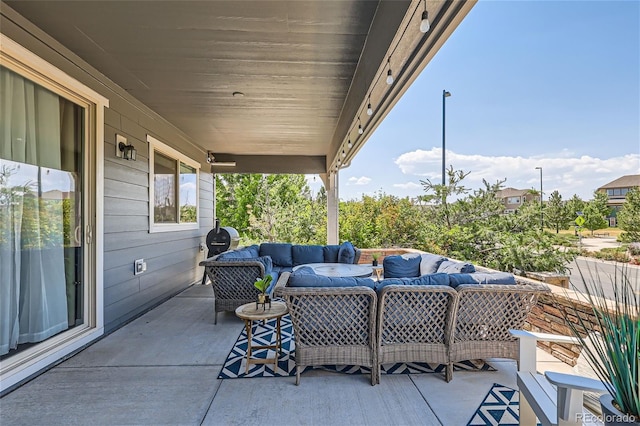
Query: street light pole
(541,221)
(445,95)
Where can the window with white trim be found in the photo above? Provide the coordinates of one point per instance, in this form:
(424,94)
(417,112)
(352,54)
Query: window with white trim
(173,189)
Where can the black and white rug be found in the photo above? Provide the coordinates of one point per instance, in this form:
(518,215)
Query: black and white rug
(264,334)
(499,408)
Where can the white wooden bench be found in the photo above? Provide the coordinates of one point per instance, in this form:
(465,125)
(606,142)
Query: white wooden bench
(555,398)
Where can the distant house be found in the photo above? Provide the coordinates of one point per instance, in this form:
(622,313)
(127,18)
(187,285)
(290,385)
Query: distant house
(617,191)
(514,198)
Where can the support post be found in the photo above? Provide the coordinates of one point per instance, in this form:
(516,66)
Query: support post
(330,181)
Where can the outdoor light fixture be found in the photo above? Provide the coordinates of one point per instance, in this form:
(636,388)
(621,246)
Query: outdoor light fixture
(128,151)
(344,154)
(211,159)
(349,144)
(389,77)
(424,24)
(369,109)
(360,130)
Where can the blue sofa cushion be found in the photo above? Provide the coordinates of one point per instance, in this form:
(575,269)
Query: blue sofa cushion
(451,267)
(309,280)
(239,254)
(254,250)
(330,253)
(280,269)
(405,266)
(307,254)
(429,279)
(429,263)
(481,278)
(280,253)
(304,270)
(346,253)
(267,262)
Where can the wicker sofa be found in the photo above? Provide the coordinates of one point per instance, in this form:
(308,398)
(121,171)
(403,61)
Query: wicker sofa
(427,322)
(233,272)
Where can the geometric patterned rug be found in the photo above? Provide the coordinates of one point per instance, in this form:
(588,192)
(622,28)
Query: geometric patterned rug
(500,407)
(264,334)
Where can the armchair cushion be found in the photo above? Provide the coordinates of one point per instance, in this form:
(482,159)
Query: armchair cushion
(307,254)
(280,253)
(346,253)
(311,280)
(401,266)
(481,278)
(330,253)
(429,279)
(254,250)
(451,267)
(242,253)
(429,263)
(267,262)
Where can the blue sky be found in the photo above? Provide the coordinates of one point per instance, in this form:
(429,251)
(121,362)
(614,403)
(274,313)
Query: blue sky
(539,83)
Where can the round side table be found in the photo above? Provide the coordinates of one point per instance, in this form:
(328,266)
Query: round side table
(249,313)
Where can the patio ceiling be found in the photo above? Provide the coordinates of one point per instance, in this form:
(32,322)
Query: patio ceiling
(307,69)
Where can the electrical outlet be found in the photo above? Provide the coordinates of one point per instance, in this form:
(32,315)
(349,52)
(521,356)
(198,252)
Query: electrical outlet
(139,266)
(201,246)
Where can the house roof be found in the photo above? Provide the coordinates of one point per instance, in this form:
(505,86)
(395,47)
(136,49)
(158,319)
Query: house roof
(626,181)
(303,72)
(511,192)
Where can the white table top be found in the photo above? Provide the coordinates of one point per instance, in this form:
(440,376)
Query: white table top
(339,269)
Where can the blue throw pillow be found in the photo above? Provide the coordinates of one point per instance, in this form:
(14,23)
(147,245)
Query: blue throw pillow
(307,254)
(451,267)
(347,253)
(280,253)
(401,266)
(330,253)
(481,278)
(429,263)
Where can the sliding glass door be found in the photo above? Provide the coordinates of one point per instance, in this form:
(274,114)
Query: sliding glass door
(43,185)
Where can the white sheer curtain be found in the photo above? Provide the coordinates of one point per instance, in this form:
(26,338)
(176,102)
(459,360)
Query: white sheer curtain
(33,302)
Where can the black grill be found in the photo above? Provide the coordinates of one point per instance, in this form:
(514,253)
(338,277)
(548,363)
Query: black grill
(221,239)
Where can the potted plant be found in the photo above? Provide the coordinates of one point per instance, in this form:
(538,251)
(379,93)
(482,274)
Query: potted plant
(375,256)
(614,352)
(262,284)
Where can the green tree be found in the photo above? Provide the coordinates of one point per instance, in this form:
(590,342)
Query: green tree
(629,216)
(557,216)
(596,212)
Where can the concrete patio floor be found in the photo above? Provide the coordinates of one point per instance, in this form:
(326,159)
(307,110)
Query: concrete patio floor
(162,368)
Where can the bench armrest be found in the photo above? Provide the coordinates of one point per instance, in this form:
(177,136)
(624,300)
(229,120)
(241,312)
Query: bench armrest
(571,381)
(527,347)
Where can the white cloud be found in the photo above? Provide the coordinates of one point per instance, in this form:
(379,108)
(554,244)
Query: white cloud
(363,180)
(407,185)
(562,171)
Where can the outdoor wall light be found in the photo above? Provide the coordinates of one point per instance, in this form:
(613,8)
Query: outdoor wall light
(424,24)
(128,151)
(211,159)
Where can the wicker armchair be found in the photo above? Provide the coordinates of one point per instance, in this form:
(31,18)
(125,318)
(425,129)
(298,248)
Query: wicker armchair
(332,326)
(232,282)
(414,325)
(484,315)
